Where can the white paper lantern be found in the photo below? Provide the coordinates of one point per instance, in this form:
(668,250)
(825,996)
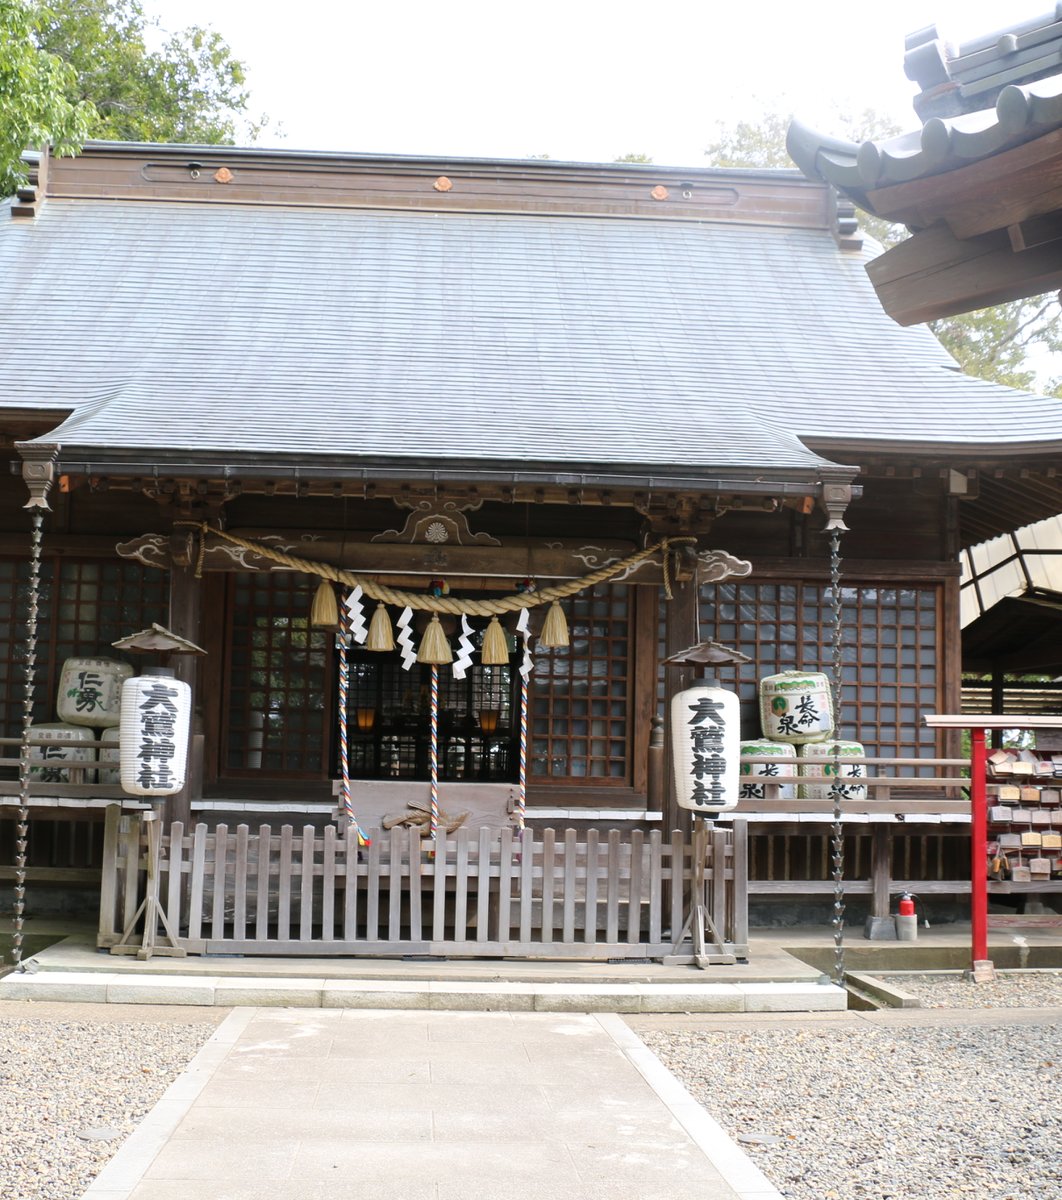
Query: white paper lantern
(796,706)
(156,711)
(821,753)
(772,772)
(705,728)
(56,758)
(111,775)
(90,691)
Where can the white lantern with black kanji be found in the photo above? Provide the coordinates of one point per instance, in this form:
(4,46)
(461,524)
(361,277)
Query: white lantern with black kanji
(156,712)
(90,691)
(705,731)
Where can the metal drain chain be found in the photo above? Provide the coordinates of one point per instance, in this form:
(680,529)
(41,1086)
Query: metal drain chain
(22,832)
(837,787)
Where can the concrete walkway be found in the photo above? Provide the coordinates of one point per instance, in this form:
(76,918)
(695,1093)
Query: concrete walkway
(370,1104)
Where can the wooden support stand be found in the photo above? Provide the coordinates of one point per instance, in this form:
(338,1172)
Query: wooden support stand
(699,922)
(149,906)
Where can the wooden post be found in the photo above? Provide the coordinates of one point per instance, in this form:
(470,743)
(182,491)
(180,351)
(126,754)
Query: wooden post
(880,868)
(184,621)
(682,630)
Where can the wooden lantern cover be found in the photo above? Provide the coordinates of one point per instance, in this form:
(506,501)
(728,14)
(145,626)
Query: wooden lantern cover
(705,730)
(153,746)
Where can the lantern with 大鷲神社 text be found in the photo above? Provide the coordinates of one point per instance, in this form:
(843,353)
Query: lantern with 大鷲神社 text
(704,739)
(156,711)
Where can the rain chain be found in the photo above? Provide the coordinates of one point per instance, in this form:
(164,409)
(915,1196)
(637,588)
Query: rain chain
(22,832)
(837,787)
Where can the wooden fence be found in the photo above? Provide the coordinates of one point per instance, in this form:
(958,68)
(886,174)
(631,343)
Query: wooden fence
(484,893)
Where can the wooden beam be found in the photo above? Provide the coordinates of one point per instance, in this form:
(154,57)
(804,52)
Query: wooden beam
(1028,235)
(933,274)
(992,193)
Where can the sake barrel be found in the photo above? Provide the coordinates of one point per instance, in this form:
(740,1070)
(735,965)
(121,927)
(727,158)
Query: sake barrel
(90,691)
(820,754)
(156,713)
(57,760)
(109,754)
(796,706)
(784,768)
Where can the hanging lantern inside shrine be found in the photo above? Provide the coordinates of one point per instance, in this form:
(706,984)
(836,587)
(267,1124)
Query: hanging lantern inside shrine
(705,732)
(156,712)
(90,691)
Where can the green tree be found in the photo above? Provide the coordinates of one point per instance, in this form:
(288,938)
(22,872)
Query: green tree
(633,158)
(35,105)
(999,343)
(191,90)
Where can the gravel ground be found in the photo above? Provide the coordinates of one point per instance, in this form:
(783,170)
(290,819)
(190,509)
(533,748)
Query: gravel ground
(71,1090)
(1036,989)
(885,1111)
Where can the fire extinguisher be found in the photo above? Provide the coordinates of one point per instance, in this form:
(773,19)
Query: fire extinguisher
(906,921)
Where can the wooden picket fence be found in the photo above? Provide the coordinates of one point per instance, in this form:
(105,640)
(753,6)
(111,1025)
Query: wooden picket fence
(485,893)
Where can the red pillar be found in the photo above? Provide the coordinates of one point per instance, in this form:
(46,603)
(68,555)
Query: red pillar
(978,847)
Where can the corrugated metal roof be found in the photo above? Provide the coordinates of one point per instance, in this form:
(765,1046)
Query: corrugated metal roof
(425,336)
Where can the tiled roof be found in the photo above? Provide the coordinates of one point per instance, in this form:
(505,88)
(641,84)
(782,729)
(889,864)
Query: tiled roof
(408,336)
(1021,113)
(967,78)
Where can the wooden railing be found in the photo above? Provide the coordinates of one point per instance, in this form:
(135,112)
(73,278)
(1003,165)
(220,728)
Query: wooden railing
(489,892)
(935,786)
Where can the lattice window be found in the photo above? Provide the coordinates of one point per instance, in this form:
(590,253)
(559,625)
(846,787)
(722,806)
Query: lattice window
(86,604)
(388,720)
(890,670)
(279,678)
(580,704)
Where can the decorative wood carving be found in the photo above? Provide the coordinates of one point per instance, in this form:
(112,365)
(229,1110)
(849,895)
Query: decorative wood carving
(713,566)
(437,523)
(523,558)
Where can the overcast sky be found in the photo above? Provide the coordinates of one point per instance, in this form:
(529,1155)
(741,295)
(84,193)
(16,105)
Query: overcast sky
(585,80)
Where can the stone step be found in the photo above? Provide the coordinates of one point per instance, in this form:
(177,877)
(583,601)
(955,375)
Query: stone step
(103,987)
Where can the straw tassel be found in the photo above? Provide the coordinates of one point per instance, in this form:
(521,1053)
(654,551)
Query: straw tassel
(380,635)
(324,614)
(434,648)
(554,628)
(495,651)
